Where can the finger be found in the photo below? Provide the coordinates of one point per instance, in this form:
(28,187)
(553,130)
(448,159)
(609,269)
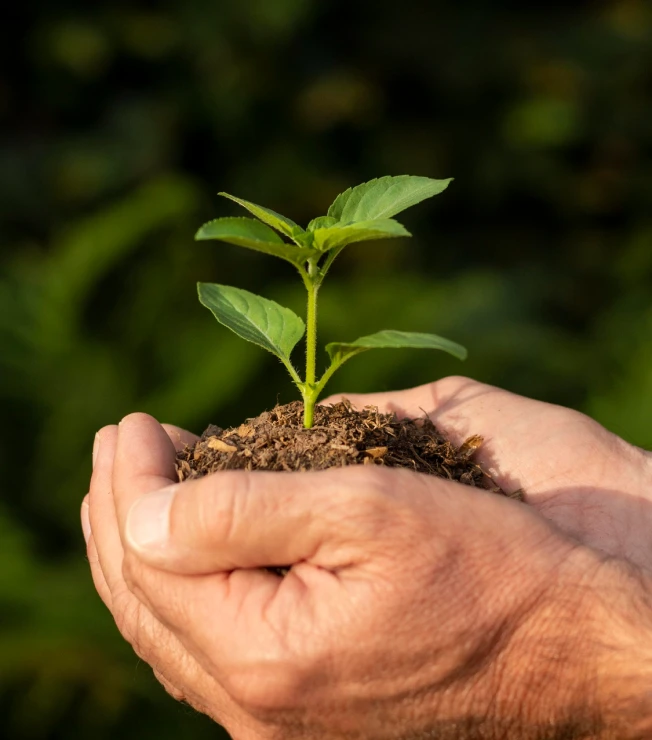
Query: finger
(154,643)
(172,690)
(103,520)
(144,462)
(101,586)
(151,640)
(239,519)
(180,437)
(234,519)
(214,615)
(208,511)
(85,519)
(204,695)
(254,609)
(527,443)
(456,405)
(190,673)
(461,407)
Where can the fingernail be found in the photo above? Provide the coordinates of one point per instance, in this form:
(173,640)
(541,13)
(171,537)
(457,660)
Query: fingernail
(148,521)
(85,521)
(96,447)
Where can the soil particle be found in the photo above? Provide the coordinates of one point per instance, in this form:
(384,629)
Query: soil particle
(276,440)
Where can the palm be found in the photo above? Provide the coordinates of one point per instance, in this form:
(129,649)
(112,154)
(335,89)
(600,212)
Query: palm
(590,483)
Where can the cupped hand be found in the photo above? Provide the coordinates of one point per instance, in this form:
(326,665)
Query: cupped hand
(414,607)
(592,484)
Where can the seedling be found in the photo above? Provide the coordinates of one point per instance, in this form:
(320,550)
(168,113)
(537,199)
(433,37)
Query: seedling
(359,214)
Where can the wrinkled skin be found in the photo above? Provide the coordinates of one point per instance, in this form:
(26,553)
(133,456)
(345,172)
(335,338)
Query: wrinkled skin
(414,607)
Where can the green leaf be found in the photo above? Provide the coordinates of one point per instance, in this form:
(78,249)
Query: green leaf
(322,222)
(339,236)
(340,352)
(247,232)
(384,197)
(271,218)
(256,319)
(305,239)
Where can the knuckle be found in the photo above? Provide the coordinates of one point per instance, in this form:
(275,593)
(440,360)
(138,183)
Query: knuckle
(134,575)
(363,486)
(363,502)
(171,689)
(129,575)
(147,637)
(369,493)
(210,513)
(448,387)
(453,380)
(91,551)
(394,512)
(142,641)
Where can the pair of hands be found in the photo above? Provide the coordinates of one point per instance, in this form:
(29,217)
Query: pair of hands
(415,607)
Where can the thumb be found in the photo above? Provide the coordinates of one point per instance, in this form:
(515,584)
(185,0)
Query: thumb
(237,519)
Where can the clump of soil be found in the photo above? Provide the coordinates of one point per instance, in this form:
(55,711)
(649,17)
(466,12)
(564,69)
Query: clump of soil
(276,440)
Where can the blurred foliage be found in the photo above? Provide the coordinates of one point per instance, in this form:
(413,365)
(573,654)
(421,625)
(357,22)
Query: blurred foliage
(121,120)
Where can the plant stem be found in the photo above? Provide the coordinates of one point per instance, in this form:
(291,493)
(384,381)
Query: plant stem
(327,376)
(309,400)
(309,395)
(328,262)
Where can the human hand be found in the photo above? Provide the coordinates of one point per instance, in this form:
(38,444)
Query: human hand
(593,485)
(413,605)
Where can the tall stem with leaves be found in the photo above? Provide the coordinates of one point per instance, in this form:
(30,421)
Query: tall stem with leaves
(359,214)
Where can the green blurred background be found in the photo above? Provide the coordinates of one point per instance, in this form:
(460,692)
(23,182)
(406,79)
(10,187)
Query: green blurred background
(120,122)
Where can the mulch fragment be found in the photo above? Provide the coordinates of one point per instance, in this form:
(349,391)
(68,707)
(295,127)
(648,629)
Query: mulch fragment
(276,440)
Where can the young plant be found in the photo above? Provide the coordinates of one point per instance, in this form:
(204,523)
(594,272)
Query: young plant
(359,214)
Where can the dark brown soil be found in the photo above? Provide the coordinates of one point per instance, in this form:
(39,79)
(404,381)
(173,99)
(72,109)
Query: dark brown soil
(276,440)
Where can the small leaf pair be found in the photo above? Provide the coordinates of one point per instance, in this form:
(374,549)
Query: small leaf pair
(359,214)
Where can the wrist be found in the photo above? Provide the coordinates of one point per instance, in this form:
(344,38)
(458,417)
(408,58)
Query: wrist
(623,624)
(586,653)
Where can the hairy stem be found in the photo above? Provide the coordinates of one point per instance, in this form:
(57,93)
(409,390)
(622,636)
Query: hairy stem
(309,396)
(309,401)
